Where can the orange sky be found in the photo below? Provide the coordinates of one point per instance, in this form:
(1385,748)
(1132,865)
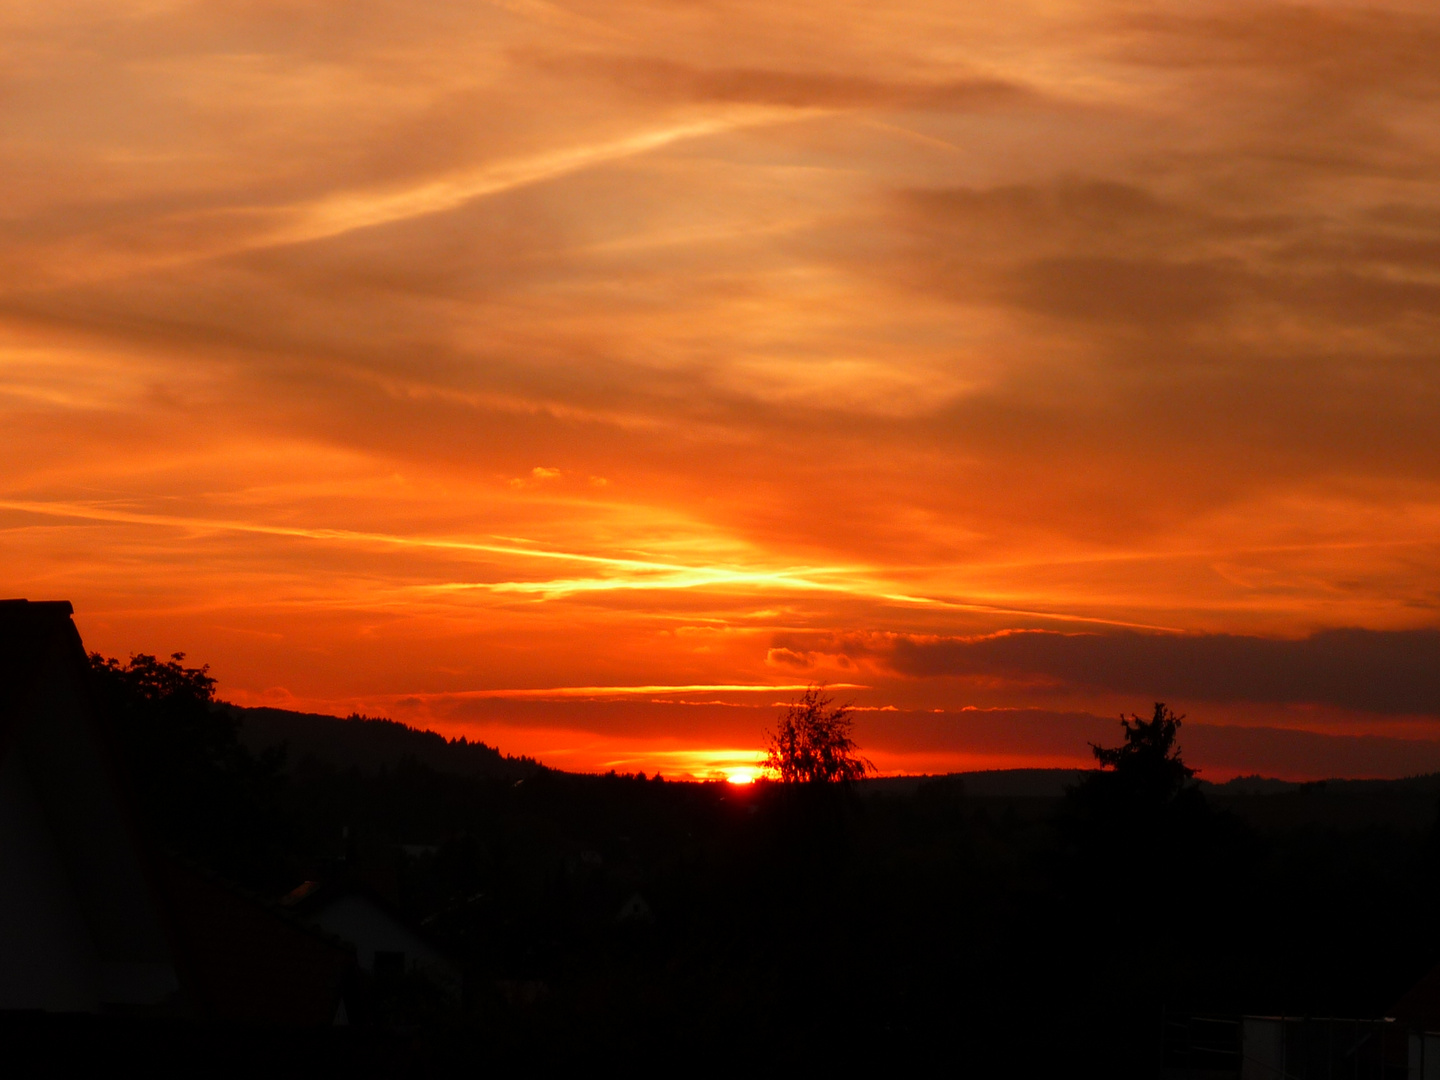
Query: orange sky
(414,359)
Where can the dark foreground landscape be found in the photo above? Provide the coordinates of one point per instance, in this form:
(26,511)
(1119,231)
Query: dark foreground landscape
(1005,923)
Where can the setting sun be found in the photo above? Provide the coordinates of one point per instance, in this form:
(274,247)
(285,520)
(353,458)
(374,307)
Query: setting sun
(692,523)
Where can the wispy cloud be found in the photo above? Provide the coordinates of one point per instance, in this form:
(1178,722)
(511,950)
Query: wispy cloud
(558,692)
(343,212)
(539,344)
(620,573)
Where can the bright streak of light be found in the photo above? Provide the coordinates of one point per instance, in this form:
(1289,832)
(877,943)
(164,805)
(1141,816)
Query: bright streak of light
(621,691)
(793,576)
(345,212)
(646,574)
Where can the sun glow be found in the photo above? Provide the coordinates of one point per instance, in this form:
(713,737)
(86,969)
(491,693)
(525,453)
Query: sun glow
(741,776)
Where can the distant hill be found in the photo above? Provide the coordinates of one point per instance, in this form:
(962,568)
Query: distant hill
(1271,806)
(989,784)
(1249,785)
(1421,784)
(370,744)
(1051,784)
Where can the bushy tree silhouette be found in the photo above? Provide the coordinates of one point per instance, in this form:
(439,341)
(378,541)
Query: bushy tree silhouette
(812,743)
(1142,837)
(203,792)
(1148,762)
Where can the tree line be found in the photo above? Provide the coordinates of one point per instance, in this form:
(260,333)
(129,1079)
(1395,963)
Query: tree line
(811,918)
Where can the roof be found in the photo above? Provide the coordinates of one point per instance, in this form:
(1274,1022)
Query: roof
(250,962)
(1419,1007)
(28,630)
(310,898)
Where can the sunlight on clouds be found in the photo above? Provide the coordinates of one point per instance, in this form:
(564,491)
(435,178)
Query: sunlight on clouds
(338,214)
(561,692)
(74,378)
(856,384)
(384,351)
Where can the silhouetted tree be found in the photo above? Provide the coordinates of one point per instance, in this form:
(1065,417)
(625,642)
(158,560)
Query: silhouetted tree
(204,793)
(1148,761)
(1143,838)
(1142,847)
(1128,808)
(812,744)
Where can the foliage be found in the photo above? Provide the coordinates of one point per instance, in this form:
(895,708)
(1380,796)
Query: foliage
(953,923)
(1140,836)
(206,795)
(150,680)
(1133,804)
(1148,761)
(812,744)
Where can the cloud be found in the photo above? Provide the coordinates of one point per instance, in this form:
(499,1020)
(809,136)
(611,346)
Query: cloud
(808,660)
(1395,672)
(1156,293)
(1118,256)
(932,321)
(1340,50)
(665,79)
(790,658)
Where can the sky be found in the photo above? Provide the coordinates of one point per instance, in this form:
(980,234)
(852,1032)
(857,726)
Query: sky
(591,377)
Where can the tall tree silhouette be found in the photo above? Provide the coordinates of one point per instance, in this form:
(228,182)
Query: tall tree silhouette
(1139,828)
(1148,762)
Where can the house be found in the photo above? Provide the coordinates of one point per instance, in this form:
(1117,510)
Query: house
(83,927)
(1418,1010)
(250,963)
(94,919)
(387,947)
(636,909)
(1274,1047)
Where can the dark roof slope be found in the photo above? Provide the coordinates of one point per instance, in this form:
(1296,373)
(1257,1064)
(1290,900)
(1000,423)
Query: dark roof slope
(248,962)
(27,629)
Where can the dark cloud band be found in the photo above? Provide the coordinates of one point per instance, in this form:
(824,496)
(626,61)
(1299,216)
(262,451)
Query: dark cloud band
(1378,671)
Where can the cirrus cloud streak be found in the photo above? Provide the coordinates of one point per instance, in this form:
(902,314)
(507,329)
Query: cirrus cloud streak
(384,350)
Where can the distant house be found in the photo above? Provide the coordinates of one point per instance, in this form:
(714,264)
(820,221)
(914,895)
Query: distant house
(386,945)
(635,909)
(1419,1011)
(1278,1047)
(251,963)
(92,918)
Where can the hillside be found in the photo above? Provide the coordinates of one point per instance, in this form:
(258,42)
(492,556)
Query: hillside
(986,784)
(370,744)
